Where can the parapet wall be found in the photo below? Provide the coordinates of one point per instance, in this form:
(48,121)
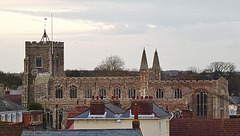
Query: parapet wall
(42,43)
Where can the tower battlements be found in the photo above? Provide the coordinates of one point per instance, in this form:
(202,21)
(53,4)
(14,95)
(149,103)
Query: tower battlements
(42,43)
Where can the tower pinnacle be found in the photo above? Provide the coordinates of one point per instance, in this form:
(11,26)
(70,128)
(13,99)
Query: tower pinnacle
(156,65)
(144,65)
(45,36)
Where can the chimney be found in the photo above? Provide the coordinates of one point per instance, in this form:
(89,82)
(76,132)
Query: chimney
(135,122)
(27,119)
(145,106)
(97,107)
(115,101)
(33,118)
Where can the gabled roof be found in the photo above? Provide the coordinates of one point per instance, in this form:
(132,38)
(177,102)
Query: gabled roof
(85,132)
(160,112)
(113,112)
(6,105)
(115,109)
(157,111)
(234,99)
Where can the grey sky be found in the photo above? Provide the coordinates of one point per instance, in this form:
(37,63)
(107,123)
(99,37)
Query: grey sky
(186,33)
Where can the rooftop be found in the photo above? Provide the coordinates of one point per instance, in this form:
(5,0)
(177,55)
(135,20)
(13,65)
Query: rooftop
(85,132)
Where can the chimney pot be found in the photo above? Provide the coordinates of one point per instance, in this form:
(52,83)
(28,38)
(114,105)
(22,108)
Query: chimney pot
(92,97)
(112,97)
(146,97)
(141,97)
(97,97)
(137,97)
(116,96)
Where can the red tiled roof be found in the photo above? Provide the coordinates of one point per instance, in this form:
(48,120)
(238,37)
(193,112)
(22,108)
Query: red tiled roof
(206,127)
(77,111)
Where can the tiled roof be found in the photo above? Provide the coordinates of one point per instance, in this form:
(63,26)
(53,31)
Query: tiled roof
(206,127)
(234,100)
(85,132)
(14,98)
(85,114)
(112,110)
(115,109)
(6,105)
(160,112)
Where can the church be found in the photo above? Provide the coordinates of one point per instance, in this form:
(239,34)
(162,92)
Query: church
(44,81)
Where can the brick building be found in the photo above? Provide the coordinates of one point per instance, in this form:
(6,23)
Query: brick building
(45,82)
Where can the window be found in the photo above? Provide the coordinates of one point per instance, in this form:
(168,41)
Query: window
(178,93)
(131,93)
(73,92)
(38,62)
(59,92)
(88,93)
(102,93)
(202,104)
(49,118)
(159,93)
(117,92)
(222,106)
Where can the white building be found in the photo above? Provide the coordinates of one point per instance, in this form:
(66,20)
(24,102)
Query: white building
(10,111)
(154,120)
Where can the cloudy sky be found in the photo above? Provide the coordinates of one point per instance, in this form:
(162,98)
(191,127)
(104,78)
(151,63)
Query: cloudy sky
(186,33)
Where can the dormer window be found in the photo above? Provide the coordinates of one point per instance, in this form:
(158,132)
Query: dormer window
(38,62)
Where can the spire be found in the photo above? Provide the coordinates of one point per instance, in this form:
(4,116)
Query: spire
(156,65)
(144,65)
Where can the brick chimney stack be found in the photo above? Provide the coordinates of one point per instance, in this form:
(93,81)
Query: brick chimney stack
(97,107)
(135,122)
(144,106)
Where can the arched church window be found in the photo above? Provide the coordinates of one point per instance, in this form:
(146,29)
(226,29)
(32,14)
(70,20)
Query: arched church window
(131,93)
(59,92)
(202,104)
(38,61)
(88,93)
(73,92)
(117,92)
(159,93)
(178,93)
(102,93)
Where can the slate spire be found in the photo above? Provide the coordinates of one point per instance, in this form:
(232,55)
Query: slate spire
(144,65)
(156,65)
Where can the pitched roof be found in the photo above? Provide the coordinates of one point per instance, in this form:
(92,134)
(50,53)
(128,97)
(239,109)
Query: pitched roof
(17,98)
(204,126)
(6,105)
(113,111)
(234,100)
(85,132)
(159,113)
(114,108)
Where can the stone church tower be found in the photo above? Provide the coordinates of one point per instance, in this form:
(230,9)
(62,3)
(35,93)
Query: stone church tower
(149,74)
(41,57)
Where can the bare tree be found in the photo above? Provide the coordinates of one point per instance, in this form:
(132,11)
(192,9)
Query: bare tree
(218,69)
(111,63)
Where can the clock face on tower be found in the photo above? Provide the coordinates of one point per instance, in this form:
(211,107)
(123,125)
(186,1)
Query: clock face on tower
(34,72)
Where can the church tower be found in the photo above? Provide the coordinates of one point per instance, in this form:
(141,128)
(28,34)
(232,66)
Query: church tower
(41,57)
